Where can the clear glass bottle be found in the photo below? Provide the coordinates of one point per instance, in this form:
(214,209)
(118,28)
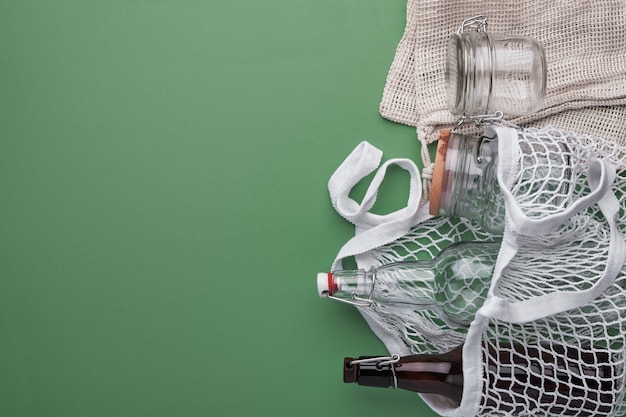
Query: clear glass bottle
(522,380)
(454,284)
(465,177)
(490,74)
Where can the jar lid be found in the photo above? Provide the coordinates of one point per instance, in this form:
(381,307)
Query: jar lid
(438,172)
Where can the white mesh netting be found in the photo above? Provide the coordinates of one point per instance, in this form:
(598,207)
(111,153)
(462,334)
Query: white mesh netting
(568,361)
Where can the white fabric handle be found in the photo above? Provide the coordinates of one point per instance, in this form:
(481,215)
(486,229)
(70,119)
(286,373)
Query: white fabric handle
(373,230)
(603,176)
(600,177)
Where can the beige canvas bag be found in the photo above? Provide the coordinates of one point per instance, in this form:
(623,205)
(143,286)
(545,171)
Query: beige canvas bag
(585,47)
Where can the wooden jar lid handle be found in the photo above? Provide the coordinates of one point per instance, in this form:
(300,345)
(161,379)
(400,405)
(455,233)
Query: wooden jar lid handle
(440,159)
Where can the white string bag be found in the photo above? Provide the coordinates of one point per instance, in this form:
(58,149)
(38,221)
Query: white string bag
(585,48)
(558,289)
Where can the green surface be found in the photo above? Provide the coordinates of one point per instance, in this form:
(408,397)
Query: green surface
(163,204)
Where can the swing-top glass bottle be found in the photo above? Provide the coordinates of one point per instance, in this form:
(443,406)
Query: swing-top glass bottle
(454,284)
(574,382)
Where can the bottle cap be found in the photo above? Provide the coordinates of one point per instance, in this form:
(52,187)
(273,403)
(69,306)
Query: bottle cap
(438,172)
(324,280)
(349,371)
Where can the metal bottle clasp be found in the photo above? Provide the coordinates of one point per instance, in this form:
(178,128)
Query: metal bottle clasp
(356,301)
(482,119)
(382,361)
(479,23)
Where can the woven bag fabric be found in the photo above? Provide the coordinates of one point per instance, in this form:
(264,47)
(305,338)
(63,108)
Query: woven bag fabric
(548,338)
(585,47)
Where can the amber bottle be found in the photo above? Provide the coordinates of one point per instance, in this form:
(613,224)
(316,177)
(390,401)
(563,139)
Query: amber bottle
(435,374)
(518,379)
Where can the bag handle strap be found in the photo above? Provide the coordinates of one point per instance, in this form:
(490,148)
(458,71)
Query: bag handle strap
(600,177)
(603,176)
(373,230)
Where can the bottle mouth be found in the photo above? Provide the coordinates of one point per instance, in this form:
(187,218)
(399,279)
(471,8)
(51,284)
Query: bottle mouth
(349,371)
(456,75)
(469,74)
(326,285)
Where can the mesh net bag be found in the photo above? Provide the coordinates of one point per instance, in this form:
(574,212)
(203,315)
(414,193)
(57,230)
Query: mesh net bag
(585,53)
(548,338)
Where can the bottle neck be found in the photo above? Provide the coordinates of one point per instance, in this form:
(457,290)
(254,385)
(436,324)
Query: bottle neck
(368,371)
(395,283)
(430,374)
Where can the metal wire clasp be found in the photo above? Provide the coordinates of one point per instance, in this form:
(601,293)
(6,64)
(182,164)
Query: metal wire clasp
(477,22)
(482,119)
(380,362)
(356,301)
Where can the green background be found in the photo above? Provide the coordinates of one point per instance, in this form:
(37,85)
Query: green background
(164,210)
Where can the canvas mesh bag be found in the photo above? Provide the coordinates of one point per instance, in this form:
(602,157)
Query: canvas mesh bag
(585,48)
(555,311)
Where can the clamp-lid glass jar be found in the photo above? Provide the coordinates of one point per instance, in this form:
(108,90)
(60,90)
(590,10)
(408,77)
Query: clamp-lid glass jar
(465,182)
(491,75)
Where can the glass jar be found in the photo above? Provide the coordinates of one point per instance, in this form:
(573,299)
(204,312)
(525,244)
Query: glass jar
(491,76)
(465,182)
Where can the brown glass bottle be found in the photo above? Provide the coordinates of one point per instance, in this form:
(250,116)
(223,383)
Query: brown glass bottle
(434,374)
(554,380)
